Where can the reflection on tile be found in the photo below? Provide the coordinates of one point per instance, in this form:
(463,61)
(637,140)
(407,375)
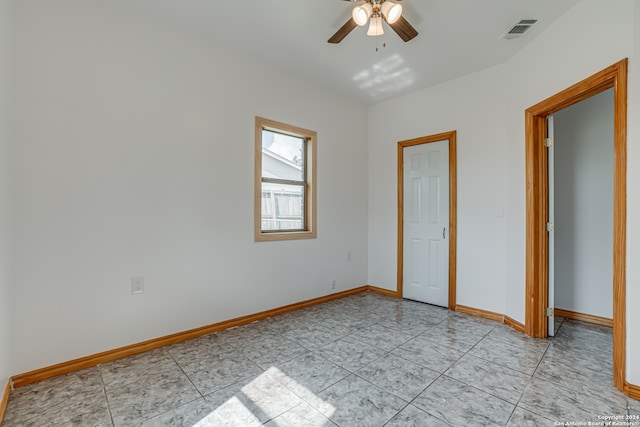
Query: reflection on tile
(309,374)
(579,325)
(241,335)
(596,348)
(155,363)
(494,379)
(354,401)
(342,323)
(409,324)
(414,417)
(349,354)
(214,372)
(427,354)
(557,323)
(508,335)
(137,402)
(420,309)
(190,350)
(398,376)
(268,352)
(467,325)
(381,337)
(583,377)
(452,338)
(580,358)
(253,400)
(288,321)
(463,405)
(313,335)
(562,404)
(302,415)
(515,356)
(581,335)
(522,417)
(91,410)
(199,412)
(58,393)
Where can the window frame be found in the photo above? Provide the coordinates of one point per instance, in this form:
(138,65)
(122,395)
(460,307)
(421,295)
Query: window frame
(309,220)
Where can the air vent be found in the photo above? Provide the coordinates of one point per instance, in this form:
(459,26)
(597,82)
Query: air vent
(519,28)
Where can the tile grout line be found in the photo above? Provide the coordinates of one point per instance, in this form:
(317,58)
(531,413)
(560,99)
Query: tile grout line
(440,374)
(517,404)
(187,376)
(106,396)
(468,353)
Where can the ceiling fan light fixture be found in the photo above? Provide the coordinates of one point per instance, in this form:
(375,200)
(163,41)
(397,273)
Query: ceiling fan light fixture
(362,13)
(391,11)
(375,27)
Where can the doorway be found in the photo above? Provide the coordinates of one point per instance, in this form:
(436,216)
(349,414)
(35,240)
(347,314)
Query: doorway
(537,192)
(581,211)
(427,219)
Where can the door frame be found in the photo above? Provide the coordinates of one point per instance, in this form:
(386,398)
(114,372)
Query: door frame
(451,138)
(614,76)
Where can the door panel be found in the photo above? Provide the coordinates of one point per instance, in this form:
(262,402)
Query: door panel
(426,223)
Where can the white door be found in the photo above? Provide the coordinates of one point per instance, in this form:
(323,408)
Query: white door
(425,275)
(551,183)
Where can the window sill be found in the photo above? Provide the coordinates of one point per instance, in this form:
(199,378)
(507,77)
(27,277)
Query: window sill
(289,235)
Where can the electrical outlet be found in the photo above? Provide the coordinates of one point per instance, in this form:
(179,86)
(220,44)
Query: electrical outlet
(333,284)
(137,285)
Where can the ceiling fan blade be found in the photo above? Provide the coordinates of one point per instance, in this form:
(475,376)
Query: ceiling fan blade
(404,29)
(343,31)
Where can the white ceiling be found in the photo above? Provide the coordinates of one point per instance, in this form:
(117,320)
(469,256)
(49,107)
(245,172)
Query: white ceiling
(457,37)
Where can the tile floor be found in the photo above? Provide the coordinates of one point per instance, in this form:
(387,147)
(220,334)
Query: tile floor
(365,360)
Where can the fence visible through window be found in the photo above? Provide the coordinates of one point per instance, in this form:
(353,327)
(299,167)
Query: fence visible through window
(282,209)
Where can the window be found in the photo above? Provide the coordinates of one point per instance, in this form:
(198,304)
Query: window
(285,177)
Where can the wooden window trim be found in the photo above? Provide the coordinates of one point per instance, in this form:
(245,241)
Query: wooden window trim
(311,192)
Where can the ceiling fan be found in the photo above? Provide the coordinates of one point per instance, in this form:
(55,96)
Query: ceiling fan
(376,11)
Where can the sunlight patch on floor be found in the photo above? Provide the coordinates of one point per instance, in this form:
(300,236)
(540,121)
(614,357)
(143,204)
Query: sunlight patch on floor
(263,396)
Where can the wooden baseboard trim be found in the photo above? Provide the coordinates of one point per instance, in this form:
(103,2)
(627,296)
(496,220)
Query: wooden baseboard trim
(632,390)
(491,316)
(31,377)
(590,318)
(480,313)
(514,324)
(383,291)
(5,401)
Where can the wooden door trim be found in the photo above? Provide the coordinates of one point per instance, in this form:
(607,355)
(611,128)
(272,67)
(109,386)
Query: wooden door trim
(614,77)
(445,136)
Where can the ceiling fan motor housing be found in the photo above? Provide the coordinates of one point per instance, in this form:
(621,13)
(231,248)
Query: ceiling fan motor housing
(376,11)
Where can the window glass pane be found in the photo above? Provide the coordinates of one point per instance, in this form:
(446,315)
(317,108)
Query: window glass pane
(282,207)
(282,156)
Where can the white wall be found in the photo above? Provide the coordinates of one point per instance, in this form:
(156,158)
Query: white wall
(633,207)
(583,147)
(481,181)
(487,109)
(5,238)
(129,133)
